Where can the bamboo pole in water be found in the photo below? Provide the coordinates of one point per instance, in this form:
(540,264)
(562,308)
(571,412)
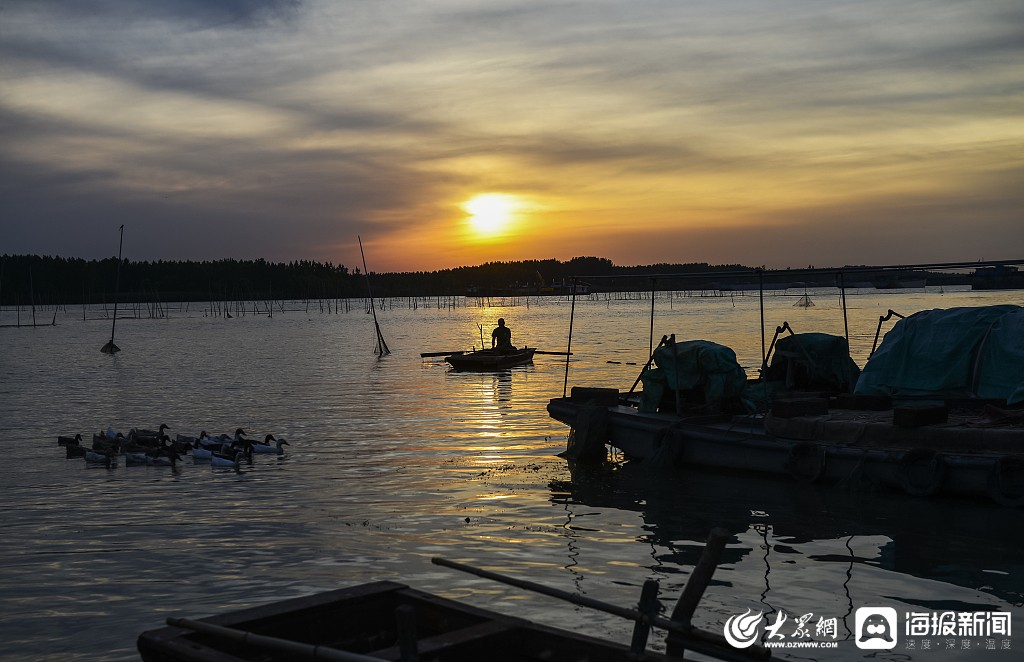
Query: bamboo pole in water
(382,347)
(110,347)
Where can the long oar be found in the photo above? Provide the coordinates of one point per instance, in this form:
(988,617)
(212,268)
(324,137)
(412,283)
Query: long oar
(428,354)
(553,353)
(701,641)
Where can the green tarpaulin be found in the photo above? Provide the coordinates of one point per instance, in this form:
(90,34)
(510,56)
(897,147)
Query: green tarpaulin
(951,353)
(690,365)
(813,361)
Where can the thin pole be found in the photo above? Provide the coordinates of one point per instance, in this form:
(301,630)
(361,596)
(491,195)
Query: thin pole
(651,343)
(760,294)
(568,348)
(382,347)
(842,298)
(110,347)
(32,295)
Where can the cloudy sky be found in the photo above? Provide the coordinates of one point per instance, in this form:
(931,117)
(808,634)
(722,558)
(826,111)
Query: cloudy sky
(455,132)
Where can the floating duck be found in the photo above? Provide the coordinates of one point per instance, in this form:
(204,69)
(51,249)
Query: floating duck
(164,458)
(107,459)
(222,460)
(69,441)
(75,450)
(218,440)
(200,454)
(143,436)
(188,439)
(268,448)
(105,444)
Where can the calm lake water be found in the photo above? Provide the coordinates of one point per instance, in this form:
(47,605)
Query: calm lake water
(395,460)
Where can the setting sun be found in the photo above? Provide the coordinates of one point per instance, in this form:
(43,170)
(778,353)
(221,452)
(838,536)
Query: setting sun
(490,212)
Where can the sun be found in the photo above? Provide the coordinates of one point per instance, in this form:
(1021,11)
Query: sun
(489,213)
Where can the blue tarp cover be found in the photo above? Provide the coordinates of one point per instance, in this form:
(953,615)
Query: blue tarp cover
(951,353)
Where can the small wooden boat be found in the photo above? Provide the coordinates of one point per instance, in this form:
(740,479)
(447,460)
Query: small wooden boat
(391,621)
(491,359)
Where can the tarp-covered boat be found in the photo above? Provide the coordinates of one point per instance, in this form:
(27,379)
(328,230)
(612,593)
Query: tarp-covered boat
(935,410)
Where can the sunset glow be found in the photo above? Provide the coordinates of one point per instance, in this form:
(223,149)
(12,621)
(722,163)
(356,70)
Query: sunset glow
(846,133)
(490,213)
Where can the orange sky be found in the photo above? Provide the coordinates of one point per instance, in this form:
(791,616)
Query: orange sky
(778,135)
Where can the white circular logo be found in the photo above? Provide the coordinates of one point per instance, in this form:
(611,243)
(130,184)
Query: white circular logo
(741,631)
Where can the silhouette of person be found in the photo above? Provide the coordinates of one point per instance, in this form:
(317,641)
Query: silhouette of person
(501,337)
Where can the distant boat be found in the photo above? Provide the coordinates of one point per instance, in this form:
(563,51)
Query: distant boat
(999,277)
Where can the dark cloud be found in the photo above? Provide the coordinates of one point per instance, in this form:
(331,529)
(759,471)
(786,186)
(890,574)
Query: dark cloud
(194,12)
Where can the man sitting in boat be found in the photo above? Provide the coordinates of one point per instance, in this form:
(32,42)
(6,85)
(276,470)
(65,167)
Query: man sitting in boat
(501,337)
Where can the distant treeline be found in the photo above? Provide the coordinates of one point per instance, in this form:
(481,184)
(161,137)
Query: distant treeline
(32,279)
(44,280)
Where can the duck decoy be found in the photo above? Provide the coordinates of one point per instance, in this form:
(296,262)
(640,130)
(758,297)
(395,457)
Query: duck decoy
(63,440)
(215,442)
(189,439)
(75,450)
(162,458)
(149,435)
(179,447)
(105,444)
(135,458)
(267,447)
(199,453)
(167,458)
(108,459)
(221,460)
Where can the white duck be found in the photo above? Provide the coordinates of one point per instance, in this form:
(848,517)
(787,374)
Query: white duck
(220,460)
(109,460)
(267,447)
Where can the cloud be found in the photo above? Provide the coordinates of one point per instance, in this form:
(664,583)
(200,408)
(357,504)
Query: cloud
(284,128)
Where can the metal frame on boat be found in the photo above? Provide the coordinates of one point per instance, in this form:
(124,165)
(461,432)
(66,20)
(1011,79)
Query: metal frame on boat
(917,447)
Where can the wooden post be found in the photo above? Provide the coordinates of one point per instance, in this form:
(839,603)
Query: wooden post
(695,587)
(648,607)
(405,617)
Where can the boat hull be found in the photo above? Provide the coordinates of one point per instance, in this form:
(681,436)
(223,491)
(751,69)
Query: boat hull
(746,444)
(491,359)
(362,620)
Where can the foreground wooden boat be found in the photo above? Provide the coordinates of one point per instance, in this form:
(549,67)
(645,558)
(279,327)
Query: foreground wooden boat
(491,359)
(390,621)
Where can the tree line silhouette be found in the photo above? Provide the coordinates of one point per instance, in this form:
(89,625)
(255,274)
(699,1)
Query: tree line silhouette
(45,280)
